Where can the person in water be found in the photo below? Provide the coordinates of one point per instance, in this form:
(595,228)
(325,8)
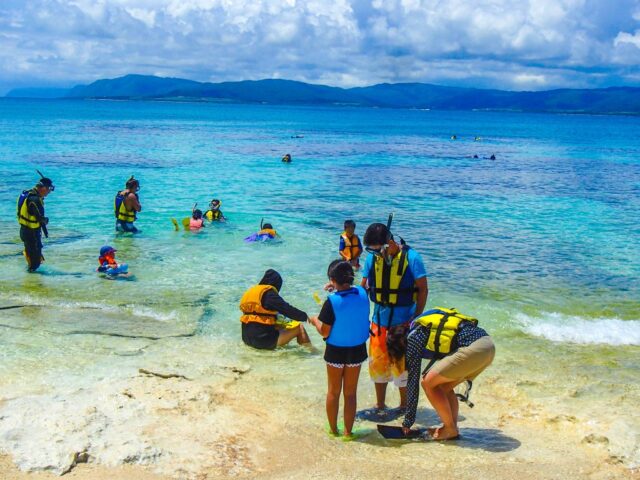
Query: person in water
(344,323)
(214,214)
(465,350)
(266,232)
(196,222)
(107,262)
(350,247)
(286,158)
(397,282)
(260,306)
(126,205)
(33,222)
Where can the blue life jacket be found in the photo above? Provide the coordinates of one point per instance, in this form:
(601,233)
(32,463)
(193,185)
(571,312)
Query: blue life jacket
(351,309)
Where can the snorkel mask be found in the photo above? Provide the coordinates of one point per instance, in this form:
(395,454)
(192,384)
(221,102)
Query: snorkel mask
(45,182)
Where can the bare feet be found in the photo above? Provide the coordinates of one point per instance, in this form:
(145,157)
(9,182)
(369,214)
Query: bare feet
(444,433)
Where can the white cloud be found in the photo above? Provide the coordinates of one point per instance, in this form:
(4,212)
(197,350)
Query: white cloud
(533,43)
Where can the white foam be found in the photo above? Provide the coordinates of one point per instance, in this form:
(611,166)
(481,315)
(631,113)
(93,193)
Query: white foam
(573,329)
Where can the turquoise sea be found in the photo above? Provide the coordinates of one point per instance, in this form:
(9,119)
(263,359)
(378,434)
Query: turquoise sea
(542,244)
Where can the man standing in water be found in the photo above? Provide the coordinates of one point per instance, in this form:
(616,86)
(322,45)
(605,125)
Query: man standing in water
(397,283)
(126,205)
(32,221)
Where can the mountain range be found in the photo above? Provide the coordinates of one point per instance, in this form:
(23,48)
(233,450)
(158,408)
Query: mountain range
(612,100)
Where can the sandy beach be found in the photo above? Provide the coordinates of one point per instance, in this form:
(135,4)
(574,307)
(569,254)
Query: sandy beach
(234,423)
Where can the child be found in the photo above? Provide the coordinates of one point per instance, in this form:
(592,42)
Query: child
(196,222)
(108,264)
(267,232)
(344,323)
(350,246)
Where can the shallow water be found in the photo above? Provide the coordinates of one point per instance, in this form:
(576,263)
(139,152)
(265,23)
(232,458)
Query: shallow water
(540,244)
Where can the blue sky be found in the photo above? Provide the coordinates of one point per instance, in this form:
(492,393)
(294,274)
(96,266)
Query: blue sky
(506,44)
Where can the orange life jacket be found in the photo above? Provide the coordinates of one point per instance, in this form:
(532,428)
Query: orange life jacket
(252,309)
(352,247)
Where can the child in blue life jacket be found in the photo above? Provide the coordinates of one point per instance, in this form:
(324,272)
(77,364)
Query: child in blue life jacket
(344,323)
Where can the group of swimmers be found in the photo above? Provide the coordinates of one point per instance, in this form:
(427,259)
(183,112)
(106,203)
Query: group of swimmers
(400,332)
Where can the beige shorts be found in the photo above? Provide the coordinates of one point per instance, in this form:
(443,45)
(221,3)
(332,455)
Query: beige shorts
(467,362)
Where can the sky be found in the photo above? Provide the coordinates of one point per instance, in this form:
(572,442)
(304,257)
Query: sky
(503,44)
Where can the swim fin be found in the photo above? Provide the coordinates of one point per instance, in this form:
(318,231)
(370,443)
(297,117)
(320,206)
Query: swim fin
(393,432)
(175,224)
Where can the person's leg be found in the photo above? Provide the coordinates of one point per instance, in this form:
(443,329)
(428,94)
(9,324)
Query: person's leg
(403,397)
(303,337)
(299,333)
(32,248)
(334,386)
(438,396)
(381,395)
(351,375)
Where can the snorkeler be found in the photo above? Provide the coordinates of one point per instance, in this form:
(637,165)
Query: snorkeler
(260,306)
(126,205)
(32,220)
(266,232)
(397,282)
(287,158)
(214,213)
(196,222)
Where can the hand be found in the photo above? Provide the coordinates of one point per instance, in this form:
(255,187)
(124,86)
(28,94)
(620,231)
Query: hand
(405,431)
(329,287)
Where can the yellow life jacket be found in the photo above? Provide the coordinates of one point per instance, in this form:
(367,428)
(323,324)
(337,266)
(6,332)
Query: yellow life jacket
(268,231)
(121,211)
(390,284)
(352,247)
(252,309)
(443,324)
(24,217)
(212,215)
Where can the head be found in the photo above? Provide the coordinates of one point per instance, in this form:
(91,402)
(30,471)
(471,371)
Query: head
(267,226)
(349,227)
(107,250)
(273,278)
(379,241)
(397,342)
(132,185)
(215,204)
(45,187)
(197,214)
(340,274)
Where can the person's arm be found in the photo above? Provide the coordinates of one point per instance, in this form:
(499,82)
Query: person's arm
(423,292)
(325,319)
(34,207)
(341,249)
(132,202)
(272,301)
(415,344)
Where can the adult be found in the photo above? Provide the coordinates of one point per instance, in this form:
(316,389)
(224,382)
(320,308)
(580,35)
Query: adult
(126,205)
(397,283)
(260,306)
(344,323)
(459,352)
(33,222)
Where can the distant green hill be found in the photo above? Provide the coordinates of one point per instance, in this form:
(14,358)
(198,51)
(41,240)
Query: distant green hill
(614,100)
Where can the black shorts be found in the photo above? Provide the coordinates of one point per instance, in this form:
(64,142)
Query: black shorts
(259,335)
(345,355)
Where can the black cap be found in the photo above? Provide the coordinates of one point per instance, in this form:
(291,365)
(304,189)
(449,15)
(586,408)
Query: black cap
(47,183)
